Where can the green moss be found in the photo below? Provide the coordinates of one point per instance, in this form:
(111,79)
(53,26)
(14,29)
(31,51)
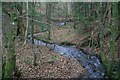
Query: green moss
(116,68)
(66,43)
(89,43)
(68,34)
(9,69)
(53,55)
(11,56)
(50,61)
(84,44)
(28,61)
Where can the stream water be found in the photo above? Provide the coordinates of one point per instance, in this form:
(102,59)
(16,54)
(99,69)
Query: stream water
(91,63)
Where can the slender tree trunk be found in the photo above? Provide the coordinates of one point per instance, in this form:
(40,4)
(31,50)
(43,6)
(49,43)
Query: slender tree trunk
(112,44)
(20,24)
(69,8)
(1,40)
(119,26)
(32,32)
(27,26)
(119,16)
(48,11)
(74,11)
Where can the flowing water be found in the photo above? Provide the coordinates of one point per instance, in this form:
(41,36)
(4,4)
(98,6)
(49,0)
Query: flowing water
(91,63)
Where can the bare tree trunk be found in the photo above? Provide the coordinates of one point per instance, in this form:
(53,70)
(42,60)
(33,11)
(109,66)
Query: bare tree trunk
(32,32)
(27,26)
(48,11)
(1,40)
(20,24)
(119,16)
(74,13)
(69,8)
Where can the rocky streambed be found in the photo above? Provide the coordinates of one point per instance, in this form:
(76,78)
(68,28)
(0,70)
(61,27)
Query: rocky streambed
(92,64)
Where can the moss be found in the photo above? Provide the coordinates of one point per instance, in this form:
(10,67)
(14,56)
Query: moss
(84,44)
(66,43)
(53,55)
(51,61)
(9,69)
(89,43)
(10,64)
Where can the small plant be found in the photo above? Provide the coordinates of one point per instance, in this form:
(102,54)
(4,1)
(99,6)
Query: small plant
(53,55)
(68,34)
(51,61)
(54,59)
(27,61)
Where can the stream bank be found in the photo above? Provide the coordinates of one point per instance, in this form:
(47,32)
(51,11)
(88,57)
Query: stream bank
(91,63)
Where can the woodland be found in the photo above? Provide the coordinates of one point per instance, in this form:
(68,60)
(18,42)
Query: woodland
(60,40)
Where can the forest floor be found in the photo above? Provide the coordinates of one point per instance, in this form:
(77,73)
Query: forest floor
(49,63)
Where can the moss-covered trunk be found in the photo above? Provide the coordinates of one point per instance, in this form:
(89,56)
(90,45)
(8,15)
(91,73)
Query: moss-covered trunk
(11,56)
